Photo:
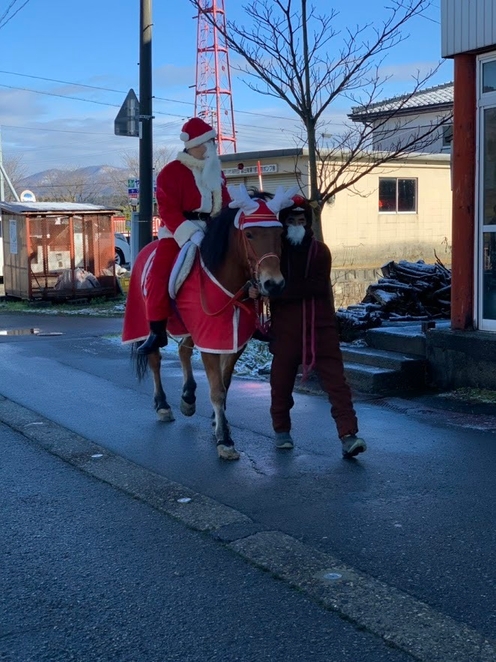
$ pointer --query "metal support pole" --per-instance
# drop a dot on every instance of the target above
(146, 135)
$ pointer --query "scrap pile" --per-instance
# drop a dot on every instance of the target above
(408, 291)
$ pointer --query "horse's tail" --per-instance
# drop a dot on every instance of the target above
(139, 361)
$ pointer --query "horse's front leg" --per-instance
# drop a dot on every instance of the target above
(218, 392)
(188, 396)
(162, 407)
(228, 361)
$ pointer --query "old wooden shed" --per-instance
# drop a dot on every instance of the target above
(58, 250)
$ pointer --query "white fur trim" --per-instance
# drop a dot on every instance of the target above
(164, 233)
(196, 167)
(145, 272)
(190, 161)
(182, 267)
(199, 140)
(186, 230)
(217, 201)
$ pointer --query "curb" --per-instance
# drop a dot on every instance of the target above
(401, 620)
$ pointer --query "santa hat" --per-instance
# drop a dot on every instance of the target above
(254, 212)
(300, 205)
(196, 132)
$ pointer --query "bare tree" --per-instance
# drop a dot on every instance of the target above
(161, 156)
(295, 54)
(72, 185)
(16, 171)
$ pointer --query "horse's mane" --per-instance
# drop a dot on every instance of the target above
(214, 245)
(213, 248)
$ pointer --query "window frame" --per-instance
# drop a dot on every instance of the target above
(447, 131)
(485, 101)
(396, 211)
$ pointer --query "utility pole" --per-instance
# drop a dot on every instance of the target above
(146, 134)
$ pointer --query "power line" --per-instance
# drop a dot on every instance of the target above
(109, 89)
(12, 16)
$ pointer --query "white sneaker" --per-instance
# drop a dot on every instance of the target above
(284, 441)
(352, 445)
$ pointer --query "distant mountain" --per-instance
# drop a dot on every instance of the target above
(96, 184)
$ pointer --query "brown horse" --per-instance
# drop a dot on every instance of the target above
(235, 253)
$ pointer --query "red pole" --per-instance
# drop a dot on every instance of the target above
(464, 192)
(259, 170)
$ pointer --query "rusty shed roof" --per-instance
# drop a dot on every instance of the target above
(48, 207)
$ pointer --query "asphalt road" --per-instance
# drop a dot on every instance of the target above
(415, 513)
(91, 574)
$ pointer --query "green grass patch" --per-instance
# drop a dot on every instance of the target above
(96, 307)
(468, 394)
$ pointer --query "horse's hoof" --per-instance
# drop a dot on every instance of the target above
(187, 409)
(165, 415)
(227, 452)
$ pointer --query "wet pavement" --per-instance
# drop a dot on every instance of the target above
(416, 512)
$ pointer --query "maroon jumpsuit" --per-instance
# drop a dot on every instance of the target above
(304, 331)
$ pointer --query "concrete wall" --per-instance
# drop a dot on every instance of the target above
(362, 239)
(461, 359)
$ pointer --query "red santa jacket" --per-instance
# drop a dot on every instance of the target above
(179, 190)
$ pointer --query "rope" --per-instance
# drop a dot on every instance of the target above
(307, 368)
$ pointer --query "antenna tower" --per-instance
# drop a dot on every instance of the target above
(213, 97)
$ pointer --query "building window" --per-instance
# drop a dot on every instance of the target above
(447, 135)
(489, 77)
(397, 195)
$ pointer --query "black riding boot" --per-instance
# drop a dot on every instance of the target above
(156, 339)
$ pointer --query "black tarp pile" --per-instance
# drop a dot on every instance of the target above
(408, 291)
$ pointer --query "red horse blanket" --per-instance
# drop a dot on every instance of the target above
(205, 310)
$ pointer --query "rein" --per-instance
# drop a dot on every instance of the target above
(261, 321)
(308, 367)
(262, 313)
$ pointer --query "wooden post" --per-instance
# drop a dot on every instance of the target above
(464, 192)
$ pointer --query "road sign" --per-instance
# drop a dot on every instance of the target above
(133, 190)
(127, 121)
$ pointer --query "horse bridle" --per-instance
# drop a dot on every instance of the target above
(254, 273)
(255, 270)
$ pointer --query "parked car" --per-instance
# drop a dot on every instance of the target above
(122, 250)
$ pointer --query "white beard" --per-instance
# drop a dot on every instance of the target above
(211, 174)
(296, 234)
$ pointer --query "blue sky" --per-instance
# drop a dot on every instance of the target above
(51, 124)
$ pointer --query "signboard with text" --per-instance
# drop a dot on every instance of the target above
(269, 169)
(133, 190)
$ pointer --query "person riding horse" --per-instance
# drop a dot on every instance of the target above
(211, 311)
(190, 190)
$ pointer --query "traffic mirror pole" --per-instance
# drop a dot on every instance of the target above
(145, 124)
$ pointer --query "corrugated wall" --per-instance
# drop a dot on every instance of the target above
(467, 25)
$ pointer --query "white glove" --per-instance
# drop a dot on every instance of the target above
(197, 237)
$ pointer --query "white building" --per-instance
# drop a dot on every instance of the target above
(398, 119)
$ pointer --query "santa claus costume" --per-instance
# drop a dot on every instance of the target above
(190, 190)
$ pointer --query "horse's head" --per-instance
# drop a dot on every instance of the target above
(262, 247)
(261, 231)
(244, 241)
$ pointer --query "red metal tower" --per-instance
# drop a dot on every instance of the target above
(213, 98)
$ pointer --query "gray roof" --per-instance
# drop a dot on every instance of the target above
(60, 207)
(435, 98)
